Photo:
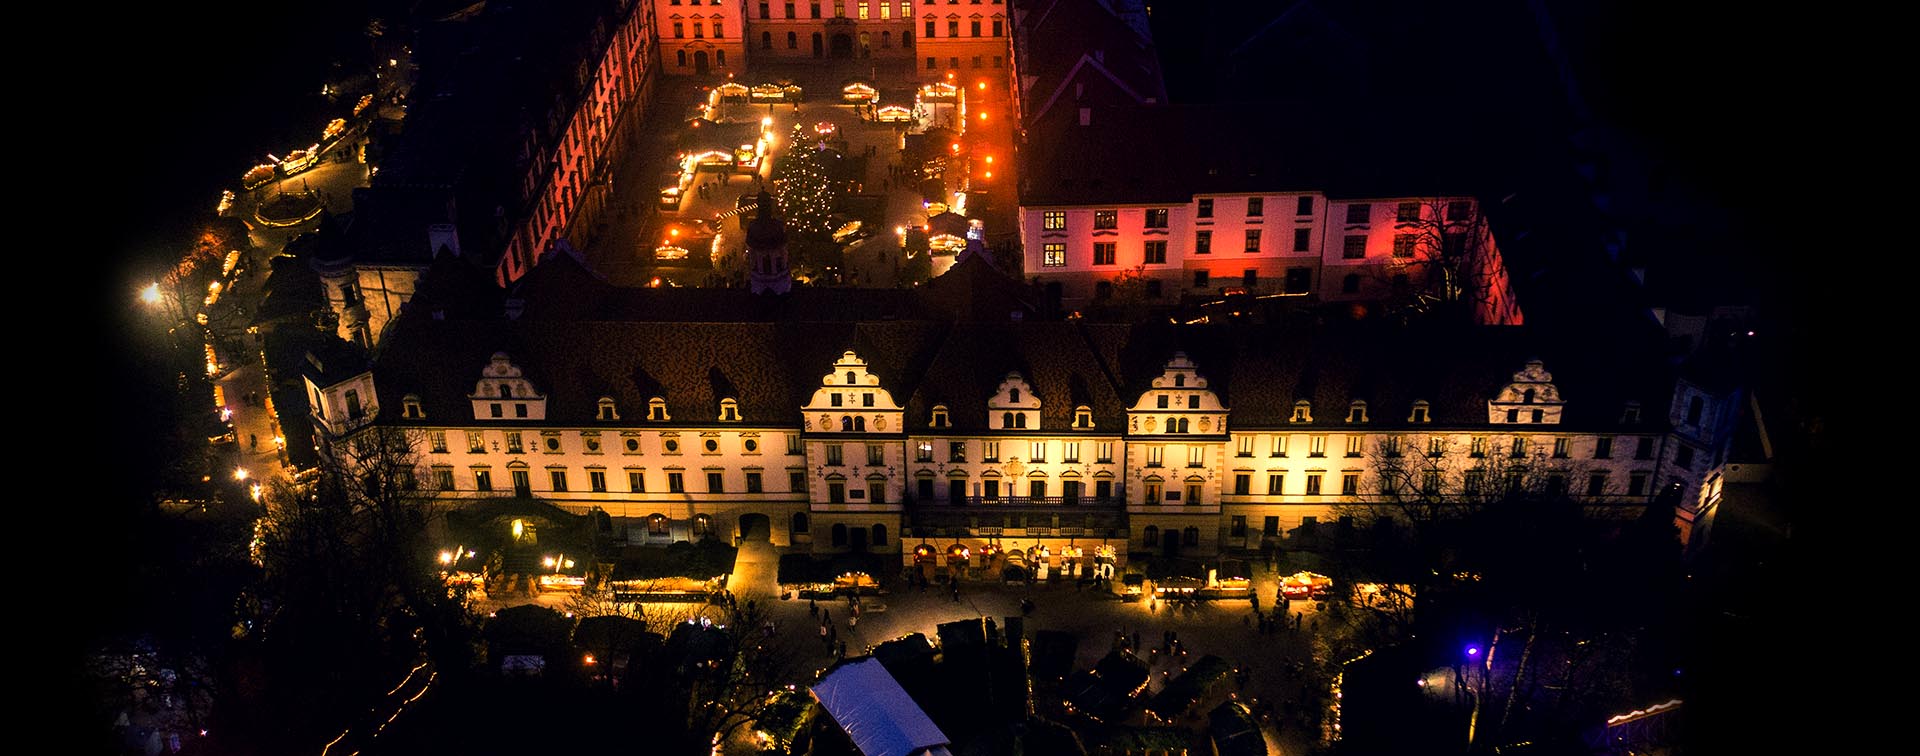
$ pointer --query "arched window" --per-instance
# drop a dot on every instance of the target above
(1191, 536)
(846, 423)
(879, 535)
(656, 524)
(682, 58)
(766, 40)
(886, 39)
(860, 423)
(800, 524)
(1151, 535)
(353, 404)
(1013, 396)
(702, 525)
(850, 379)
(506, 391)
(1006, 420)
(1526, 397)
(1020, 420)
(839, 534)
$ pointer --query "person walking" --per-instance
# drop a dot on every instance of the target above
(813, 609)
(852, 623)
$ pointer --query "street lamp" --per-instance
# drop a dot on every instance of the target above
(150, 294)
(240, 473)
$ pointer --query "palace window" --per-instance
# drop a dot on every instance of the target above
(1302, 412)
(1354, 247)
(1358, 214)
(1056, 254)
(1205, 209)
(1420, 412)
(1103, 252)
(1054, 220)
(1253, 240)
(1203, 242)
(1256, 207)
(1155, 253)
(1106, 219)
(1407, 212)
(1156, 218)
(1301, 237)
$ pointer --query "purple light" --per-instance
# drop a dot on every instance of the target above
(1473, 650)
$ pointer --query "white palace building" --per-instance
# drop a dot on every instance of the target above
(847, 421)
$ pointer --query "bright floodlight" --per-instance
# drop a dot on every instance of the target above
(1473, 650)
(240, 473)
(150, 294)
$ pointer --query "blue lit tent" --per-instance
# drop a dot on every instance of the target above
(877, 714)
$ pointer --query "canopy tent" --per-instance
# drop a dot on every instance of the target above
(876, 713)
(858, 91)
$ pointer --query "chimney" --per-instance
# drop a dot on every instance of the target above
(1086, 116)
(441, 235)
(515, 306)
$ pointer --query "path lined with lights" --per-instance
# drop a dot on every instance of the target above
(402, 696)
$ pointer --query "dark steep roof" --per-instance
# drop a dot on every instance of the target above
(1056, 359)
(773, 368)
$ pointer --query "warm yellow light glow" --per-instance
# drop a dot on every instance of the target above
(446, 557)
(983, 86)
(983, 115)
(766, 122)
(989, 160)
(240, 473)
(519, 528)
(150, 294)
(589, 658)
(989, 174)
(255, 491)
(548, 562)
(901, 230)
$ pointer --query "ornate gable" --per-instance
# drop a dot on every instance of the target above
(1530, 399)
(504, 393)
(1178, 402)
(850, 399)
(1013, 406)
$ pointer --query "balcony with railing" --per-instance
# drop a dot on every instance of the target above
(1018, 516)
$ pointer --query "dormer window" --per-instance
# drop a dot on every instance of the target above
(1420, 413)
(940, 418)
(1179, 380)
(729, 411)
(1526, 397)
(1013, 396)
(1632, 414)
(851, 380)
(1302, 412)
(410, 407)
(1082, 417)
(657, 409)
(604, 409)
(1357, 412)
(506, 391)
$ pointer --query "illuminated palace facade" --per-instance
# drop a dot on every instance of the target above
(881, 436)
(1304, 244)
(699, 37)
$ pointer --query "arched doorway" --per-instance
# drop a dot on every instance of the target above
(857, 540)
(842, 46)
(1170, 542)
(755, 527)
(700, 61)
(816, 44)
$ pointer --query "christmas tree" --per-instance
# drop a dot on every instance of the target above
(804, 186)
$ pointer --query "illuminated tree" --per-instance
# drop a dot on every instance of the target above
(804, 186)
